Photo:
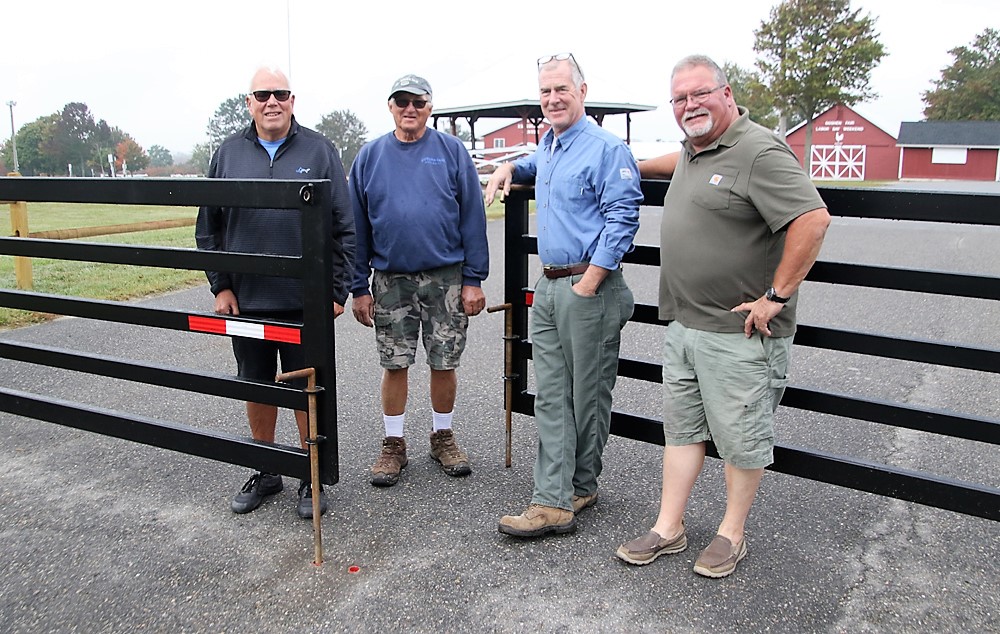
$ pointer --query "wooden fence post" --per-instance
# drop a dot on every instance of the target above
(19, 227)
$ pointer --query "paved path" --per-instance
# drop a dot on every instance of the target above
(100, 535)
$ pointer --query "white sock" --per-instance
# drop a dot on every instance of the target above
(442, 421)
(394, 425)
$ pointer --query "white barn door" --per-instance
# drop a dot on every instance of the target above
(838, 162)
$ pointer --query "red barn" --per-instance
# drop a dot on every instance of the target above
(962, 150)
(517, 133)
(846, 147)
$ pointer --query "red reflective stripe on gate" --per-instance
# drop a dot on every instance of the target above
(207, 324)
(281, 333)
(529, 298)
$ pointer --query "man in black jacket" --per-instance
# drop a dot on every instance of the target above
(274, 146)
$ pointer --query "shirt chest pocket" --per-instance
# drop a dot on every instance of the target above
(716, 191)
(572, 190)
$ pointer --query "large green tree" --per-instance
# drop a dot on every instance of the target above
(160, 156)
(750, 92)
(813, 54)
(74, 140)
(346, 131)
(230, 117)
(31, 137)
(969, 89)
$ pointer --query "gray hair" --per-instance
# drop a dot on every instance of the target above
(705, 61)
(573, 65)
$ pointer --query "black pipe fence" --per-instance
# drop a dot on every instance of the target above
(311, 199)
(846, 471)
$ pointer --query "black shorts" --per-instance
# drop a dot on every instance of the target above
(257, 359)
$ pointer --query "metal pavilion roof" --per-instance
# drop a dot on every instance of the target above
(529, 110)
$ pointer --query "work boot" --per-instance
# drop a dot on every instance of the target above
(453, 460)
(581, 502)
(538, 520)
(385, 471)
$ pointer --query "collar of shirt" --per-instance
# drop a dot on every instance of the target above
(566, 138)
(729, 138)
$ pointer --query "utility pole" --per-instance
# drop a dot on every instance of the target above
(13, 135)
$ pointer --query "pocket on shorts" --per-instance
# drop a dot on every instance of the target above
(758, 425)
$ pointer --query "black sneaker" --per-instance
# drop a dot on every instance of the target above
(305, 508)
(259, 486)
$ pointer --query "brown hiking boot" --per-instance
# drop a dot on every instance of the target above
(385, 471)
(453, 460)
(538, 520)
(581, 502)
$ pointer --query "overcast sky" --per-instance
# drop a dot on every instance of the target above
(159, 72)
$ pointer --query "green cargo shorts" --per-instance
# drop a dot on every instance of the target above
(723, 387)
(427, 302)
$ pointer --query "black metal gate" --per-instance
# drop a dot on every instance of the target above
(315, 333)
(846, 471)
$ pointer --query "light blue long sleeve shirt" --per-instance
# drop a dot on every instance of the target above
(587, 196)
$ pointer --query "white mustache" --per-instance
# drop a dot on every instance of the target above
(695, 113)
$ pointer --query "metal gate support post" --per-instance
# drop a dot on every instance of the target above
(313, 443)
(508, 370)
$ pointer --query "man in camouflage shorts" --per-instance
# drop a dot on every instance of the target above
(421, 227)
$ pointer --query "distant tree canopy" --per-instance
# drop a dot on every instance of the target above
(813, 54)
(969, 89)
(201, 156)
(50, 144)
(160, 156)
(230, 117)
(130, 154)
(346, 131)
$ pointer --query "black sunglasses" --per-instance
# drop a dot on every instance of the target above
(403, 102)
(263, 95)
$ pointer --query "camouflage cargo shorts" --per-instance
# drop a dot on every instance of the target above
(407, 304)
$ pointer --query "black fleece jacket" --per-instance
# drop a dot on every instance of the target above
(305, 154)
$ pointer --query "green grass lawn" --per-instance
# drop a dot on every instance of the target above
(94, 280)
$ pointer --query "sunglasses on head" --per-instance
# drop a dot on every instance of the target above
(403, 102)
(263, 95)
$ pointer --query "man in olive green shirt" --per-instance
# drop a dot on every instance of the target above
(742, 225)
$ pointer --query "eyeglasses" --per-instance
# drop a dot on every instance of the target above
(403, 102)
(559, 57)
(263, 95)
(697, 97)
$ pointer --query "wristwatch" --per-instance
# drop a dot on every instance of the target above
(774, 297)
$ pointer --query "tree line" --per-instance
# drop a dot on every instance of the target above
(812, 54)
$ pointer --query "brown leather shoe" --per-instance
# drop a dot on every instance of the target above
(644, 550)
(581, 502)
(538, 520)
(720, 558)
(385, 471)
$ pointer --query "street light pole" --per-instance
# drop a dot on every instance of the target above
(13, 135)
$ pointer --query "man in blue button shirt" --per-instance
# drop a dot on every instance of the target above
(587, 197)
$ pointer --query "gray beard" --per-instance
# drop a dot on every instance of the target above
(697, 131)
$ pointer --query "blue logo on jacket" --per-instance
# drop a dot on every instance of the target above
(303, 170)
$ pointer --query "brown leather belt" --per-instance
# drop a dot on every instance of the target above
(555, 272)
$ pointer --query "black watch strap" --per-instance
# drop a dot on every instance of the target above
(774, 297)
